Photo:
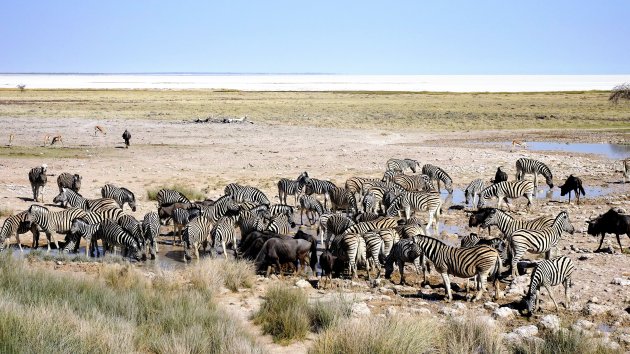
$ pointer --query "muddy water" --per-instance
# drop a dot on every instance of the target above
(613, 151)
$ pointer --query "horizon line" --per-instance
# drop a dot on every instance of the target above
(209, 73)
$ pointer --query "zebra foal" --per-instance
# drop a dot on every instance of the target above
(530, 166)
(438, 174)
(505, 190)
(37, 178)
(16, 225)
(120, 194)
(549, 272)
(291, 187)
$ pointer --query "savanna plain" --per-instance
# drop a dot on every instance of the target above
(53, 302)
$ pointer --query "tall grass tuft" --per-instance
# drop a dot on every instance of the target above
(378, 335)
(190, 193)
(284, 314)
(119, 311)
(564, 341)
(237, 274)
(469, 334)
(324, 315)
(5, 212)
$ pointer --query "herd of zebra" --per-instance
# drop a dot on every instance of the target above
(369, 222)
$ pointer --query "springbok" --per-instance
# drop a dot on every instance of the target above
(99, 129)
(11, 136)
(56, 139)
(518, 143)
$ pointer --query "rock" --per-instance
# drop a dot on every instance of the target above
(584, 257)
(448, 311)
(550, 322)
(620, 281)
(360, 309)
(519, 286)
(593, 309)
(491, 305)
(526, 331)
(582, 325)
(503, 312)
(375, 283)
(423, 311)
(594, 300)
(624, 338)
(459, 306)
(391, 311)
(386, 291)
(302, 284)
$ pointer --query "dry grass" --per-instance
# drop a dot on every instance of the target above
(190, 193)
(469, 334)
(284, 314)
(368, 110)
(564, 342)
(5, 212)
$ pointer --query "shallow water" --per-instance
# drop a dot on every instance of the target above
(613, 151)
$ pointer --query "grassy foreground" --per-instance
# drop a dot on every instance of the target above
(369, 110)
(119, 312)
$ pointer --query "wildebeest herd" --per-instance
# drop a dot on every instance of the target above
(367, 222)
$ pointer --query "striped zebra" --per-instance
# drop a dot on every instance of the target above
(281, 224)
(16, 225)
(341, 199)
(478, 261)
(244, 194)
(52, 222)
(507, 224)
(120, 194)
(507, 189)
(249, 221)
(336, 224)
(83, 228)
(37, 177)
(405, 251)
(70, 181)
(111, 234)
(369, 202)
(400, 165)
(626, 169)
(431, 202)
(350, 247)
(388, 175)
(538, 241)
(414, 183)
(355, 185)
(473, 191)
(322, 229)
(530, 166)
(374, 245)
(134, 228)
(151, 229)
(221, 207)
(223, 233)
(366, 226)
(360, 217)
(310, 206)
(549, 273)
(438, 174)
(181, 217)
(101, 205)
(319, 187)
(469, 241)
(291, 187)
(69, 198)
(277, 209)
(93, 218)
(196, 235)
(169, 196)
(390, 237)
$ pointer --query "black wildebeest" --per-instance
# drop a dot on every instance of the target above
(572, 184)
(327, 264)
(277, 251)
(500, 176)
(611, 222)
(478, 217)
(126, 136)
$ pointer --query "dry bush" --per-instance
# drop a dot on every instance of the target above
(470, 334)
(564, 341)
(5, 212)
(284, 314)
(190, 193)
(620, 92)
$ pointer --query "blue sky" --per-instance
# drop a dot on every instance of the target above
(345, 37)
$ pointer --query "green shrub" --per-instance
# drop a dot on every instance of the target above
(284, 314)
(564, 341)
(324, 315)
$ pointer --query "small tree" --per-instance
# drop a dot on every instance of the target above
(21, 87)
(620, 92)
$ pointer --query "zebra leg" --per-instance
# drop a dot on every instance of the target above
(548, 254)
(535, 180)
(17, 238)
(401, 270)
(224, 249)
(481, 281)
(566, 283)
(447, 285)
(551, 296)
(48, 237)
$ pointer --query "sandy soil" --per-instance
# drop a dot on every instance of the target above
(208, 156)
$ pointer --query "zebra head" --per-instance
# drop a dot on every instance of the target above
(413, 164)
(467, 195)
(76, 182)
(529, 302)
(549, 179)
(489, 217)
(563, 221)
(62, 197)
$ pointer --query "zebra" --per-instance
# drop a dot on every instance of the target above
(134, 228)
(389, 175)
(291, 187)
(507, 224)
(335, 224)
(549, 273)
(101, 204)
(626, 169)
(249, 221)
(92, 218)
(221, 207)
(352, 248)
(37, 177)
(242, 194)
(196, 235)
(369, 202)
(281, 224)
(120, 194)
(322, 226)
(223, 232)
(438, 174)
(413, 201)
(111, 234)
(340, 198)
(355, 185)
(68, 197)
(374, 245)
(400, 165)
(368, 216)
(151, 230)
(169, 196)
(390, 237)
(528, 166)
(478, 261)
(538, 241)
(15, 225)
(181, 217)
(318, 186)
(507, 189)
(83, 227)
(383, 223)
(473, 191)
(53, 221)
(277, 209)
(405, 251)
(70, 181)
(419, 183)
(309, 204)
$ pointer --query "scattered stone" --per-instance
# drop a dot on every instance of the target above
(491, 306)
(519, 286)
(594, 309)
(423, 311)
(59, 263)
(503, 312)
(584, 257)
(459, 306)
(391, 311)
(386, 291)
(594, 300)
(448, 311)
(621, 281)
(360, 309)
(302, 284)
(625, 338)
(550, 322)
(526, 331)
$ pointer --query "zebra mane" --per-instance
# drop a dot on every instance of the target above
(129, 192)
(36, 206)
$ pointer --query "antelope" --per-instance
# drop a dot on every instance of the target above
(57, 139)
(99, 129)
(11, 136)
(46, 139)
(518, 143)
